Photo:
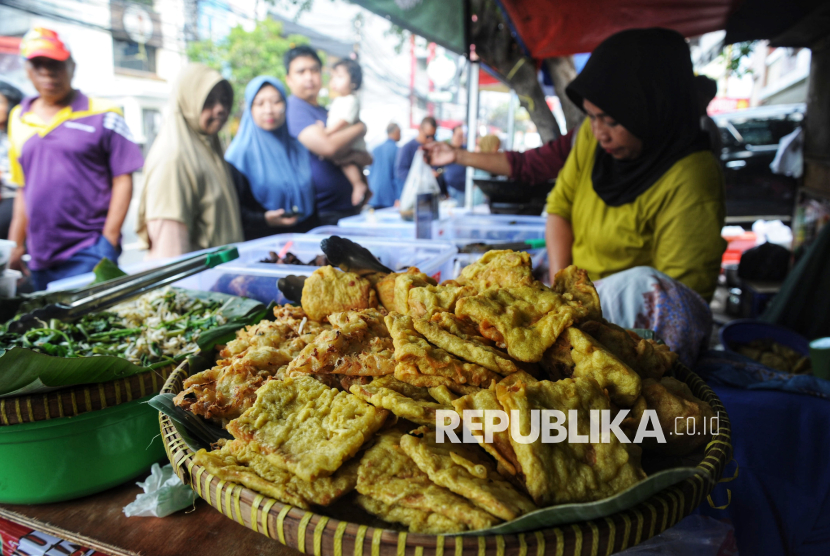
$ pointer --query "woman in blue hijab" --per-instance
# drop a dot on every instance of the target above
(273, 171)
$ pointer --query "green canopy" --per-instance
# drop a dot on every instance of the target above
(438, 21)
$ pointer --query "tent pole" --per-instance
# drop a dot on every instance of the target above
(511, 120)
(472, 126)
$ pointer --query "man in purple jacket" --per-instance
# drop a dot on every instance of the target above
(73, 157)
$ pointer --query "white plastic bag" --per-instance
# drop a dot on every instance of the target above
(164, 494)
(419, 180)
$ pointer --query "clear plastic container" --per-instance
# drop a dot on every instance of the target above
(248, 277)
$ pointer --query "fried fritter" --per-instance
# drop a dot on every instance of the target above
(527, 319)
(389, 476)
(647, 357)
(225, 391)
(402, 399)
(499, 269)
(500, 448)
(418, 521)
(573, 284)
(303, 426)
(290, 331)
(241, 463)
(568, 472)
(359, 344)
(577, 354)
(404, 283)
(329, 291)
(386, 287)
(467, 349)
(466, 471)
(426, 301)
(674, 402)
(442, 395)
(422, 364)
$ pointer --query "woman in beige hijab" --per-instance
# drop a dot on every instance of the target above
(189, 201)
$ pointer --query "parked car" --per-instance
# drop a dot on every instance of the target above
(750, 141)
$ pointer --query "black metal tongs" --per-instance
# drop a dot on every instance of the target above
(68, 306)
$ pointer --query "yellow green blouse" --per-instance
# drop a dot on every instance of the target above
(674, 226)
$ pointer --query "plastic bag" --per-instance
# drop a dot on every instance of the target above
(419, 180)
(164, 494)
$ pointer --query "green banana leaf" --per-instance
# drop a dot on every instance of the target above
(196, 432)
(572, 513)
(23, 371)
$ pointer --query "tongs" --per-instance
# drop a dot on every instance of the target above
(512, 246)
(106, 294)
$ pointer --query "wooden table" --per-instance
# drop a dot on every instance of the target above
(97, 522)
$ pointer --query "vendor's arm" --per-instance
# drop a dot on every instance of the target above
(442, 154)
(543, 163)
(687, 232)
(559, 238)
(315, 139)
(122, 193)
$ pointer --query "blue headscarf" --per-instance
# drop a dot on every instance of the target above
(277, 166)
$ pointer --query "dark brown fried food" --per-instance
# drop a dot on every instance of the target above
(681, 416)
(329, 291)
(499, 269)
(568, 472)
(422, 364)
(467, 348)
(647, 357)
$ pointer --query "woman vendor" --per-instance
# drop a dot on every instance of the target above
(640, 200)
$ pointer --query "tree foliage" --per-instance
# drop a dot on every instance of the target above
(243, 55)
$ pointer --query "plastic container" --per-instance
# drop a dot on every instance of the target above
(746, 330)
(248, 277)
(8, 282)
(6, 247)
(69, 457)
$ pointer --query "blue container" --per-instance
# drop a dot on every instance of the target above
(746, 330)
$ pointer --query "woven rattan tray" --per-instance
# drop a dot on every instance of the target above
(69, 402)
(322, 535)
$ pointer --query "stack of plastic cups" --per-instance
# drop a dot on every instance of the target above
(8, 278)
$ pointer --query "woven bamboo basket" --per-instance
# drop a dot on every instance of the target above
(75, 400)
(322, 535)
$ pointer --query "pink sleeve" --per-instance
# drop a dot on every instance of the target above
(541, 164)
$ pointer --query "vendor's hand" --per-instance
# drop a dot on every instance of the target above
(275, 218)
(439, 154)
(16, 260)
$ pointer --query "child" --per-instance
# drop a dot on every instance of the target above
(346, 78)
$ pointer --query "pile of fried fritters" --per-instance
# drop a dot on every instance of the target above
(342, 395)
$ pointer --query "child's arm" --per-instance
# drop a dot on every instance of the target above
(336, 126)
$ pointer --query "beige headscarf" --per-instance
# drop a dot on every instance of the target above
(186, 176)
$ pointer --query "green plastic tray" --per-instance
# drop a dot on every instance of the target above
(70, 457)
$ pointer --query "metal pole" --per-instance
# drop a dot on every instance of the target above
(472, 127)
(511, 120)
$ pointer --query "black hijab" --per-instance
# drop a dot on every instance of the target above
(642, 78)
